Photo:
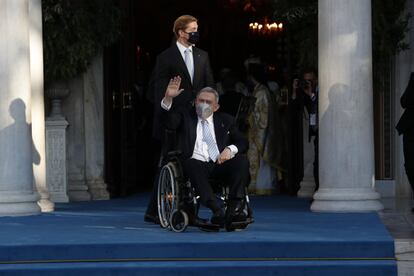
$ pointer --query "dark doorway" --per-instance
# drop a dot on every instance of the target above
(224, 28)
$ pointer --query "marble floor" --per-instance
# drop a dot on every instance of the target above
(399, 220)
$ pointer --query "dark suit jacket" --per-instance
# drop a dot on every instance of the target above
(304, 101)
(406, 121)
(169, 64)
(184, 121)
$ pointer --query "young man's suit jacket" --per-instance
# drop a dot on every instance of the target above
(169, 64)
(406, 122)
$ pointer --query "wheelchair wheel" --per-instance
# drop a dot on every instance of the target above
(179, 221)
(167, 193)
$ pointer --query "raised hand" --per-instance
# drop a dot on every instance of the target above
(173, 88)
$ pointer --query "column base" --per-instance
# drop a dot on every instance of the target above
(307, 188)
(346, 200)
(79, 196)
(78, 192)
(15, 204)
(97, 189)
(46, 205)
(77, 188)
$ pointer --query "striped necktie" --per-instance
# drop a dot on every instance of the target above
(213, 151)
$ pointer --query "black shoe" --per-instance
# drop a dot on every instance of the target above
(218, 218)
(152, 219)
(197, 221)
(412, 210)
(235, 214)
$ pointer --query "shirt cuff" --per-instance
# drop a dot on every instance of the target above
(164, 106)
(234, 150)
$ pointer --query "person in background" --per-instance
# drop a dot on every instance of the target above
(262, 152)
(405, 127)
(230, 81)
(305, 95)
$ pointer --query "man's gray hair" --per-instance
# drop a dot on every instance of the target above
(209, 90)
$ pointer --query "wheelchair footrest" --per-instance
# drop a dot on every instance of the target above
(209, 227)
(238, 225)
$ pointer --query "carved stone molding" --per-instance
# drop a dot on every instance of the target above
(56, 177)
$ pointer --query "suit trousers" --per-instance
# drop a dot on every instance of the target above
(234, 173)
(408, 147)
(316, 161)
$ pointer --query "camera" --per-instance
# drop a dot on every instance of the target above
(304, 84)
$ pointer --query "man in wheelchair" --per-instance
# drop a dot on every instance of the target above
(211, 146)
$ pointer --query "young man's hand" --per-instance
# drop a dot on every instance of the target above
(173, 90)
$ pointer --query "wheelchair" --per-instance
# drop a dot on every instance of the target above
(178, 203)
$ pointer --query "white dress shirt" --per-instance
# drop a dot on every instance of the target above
(182, 49)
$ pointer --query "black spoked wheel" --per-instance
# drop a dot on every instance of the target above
(167, 194)
(179, 221)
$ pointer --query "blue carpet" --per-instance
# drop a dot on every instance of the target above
(111, 235)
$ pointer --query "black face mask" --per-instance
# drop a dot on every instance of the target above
(193, 37)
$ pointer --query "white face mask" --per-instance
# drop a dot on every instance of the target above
(204, 110)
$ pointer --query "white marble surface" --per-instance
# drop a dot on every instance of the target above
(94, 129)
(399, 220)
(405, 268)
(73, 109)
(56, 160)
(17, 152)
(84, 109)
(38, 106)
(404, 249)
(345, 108)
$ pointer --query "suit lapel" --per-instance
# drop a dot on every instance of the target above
(193, 129)
(220, 131)
(181, 63)
(197, 64)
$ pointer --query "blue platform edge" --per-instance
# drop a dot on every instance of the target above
(284, 230)
(285, 268)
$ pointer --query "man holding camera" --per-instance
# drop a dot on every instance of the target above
(305, 93)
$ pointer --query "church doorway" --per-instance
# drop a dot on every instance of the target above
(130, 152)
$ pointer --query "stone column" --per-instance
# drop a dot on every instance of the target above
(346, 136)
(17, 194)
(307, 186)
(73, 108)
(94, 129)
(38, 107)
